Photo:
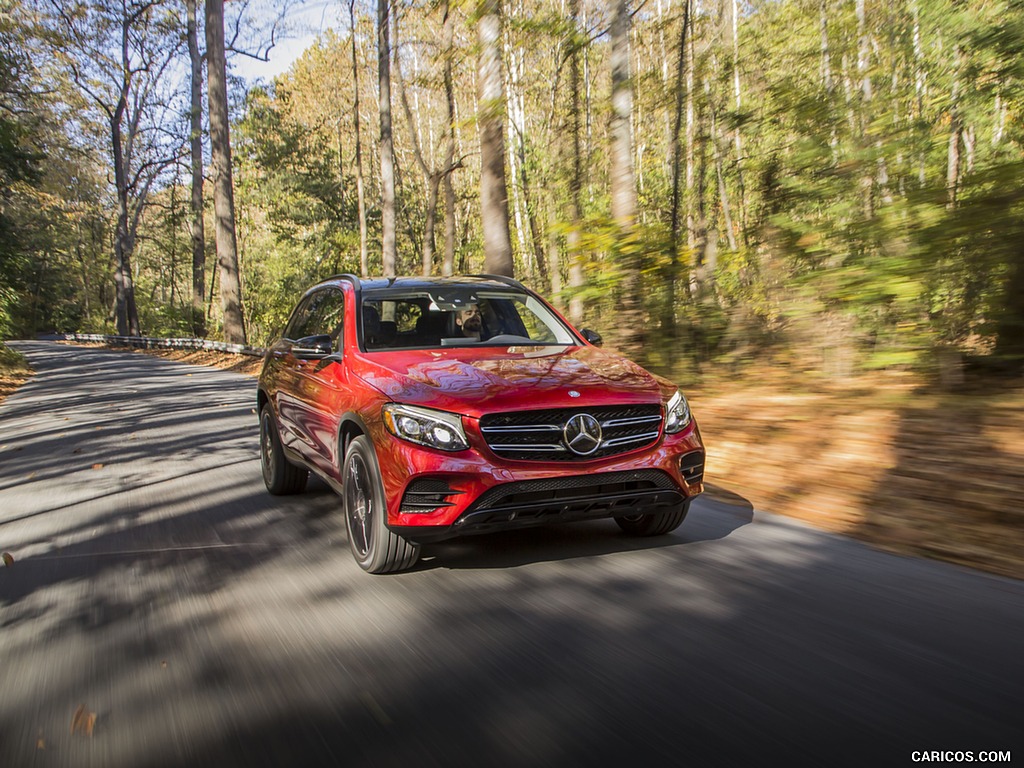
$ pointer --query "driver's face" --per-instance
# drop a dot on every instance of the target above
(470, 320)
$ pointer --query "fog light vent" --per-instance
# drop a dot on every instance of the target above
(691, 467)
(428, 495)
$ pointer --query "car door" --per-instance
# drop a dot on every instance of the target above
(320, 381)
(317, 319)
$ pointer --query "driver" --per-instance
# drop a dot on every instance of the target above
(469, 321)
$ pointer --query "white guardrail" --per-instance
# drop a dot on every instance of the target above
(150, 342)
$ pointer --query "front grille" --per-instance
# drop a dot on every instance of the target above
(532, 502)
(540, 435)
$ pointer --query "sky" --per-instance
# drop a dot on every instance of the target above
(304, 23)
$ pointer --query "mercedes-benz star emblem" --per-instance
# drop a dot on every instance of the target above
(582, 434)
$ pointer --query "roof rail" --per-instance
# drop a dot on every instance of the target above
(502, 279)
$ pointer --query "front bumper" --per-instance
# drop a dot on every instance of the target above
(526, 503)
(432, 495)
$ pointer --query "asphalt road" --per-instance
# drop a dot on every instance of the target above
(157, 585)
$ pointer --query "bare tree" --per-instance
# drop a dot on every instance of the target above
(223, 189)
(431, 174)
(195, 56)
(119, 56)
(493, 187)
(389, 245)
(364, 260)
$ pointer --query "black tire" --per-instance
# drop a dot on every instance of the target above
(656, 524)
(281, 477)
(374, 546)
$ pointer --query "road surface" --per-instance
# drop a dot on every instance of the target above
(156, 585)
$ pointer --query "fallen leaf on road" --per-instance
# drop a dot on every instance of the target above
(8, 560)
(83, 721)
(97, 466)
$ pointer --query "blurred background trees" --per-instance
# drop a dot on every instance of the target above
(833, 185)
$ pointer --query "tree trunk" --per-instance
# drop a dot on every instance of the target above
(124, 244)
(741, 189)
(576, 277)
(705, 236)
(675, 156)
(389, 243)
(448, 34)
(125, 291)
(622, 181)
(691, 131)
(955, 133)
(364, 259)
(919, 92)
(433, 182)
(623, 184)
(223, 191)
(493, 186)
(723, 193)
(516, 122)
(826, 58)
(196, 150)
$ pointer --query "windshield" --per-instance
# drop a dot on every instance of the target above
(423, 321)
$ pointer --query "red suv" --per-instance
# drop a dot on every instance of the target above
(441, 407)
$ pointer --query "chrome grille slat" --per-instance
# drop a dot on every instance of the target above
(526, 447)
(531, 428)
(628, 439)
(627, 422)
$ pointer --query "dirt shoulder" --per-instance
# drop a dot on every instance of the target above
(10, 381)
(881, 459)
(14, 371)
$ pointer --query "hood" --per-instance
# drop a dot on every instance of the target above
(474, 381)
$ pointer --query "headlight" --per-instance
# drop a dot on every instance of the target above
(677, 414)
(434, 429)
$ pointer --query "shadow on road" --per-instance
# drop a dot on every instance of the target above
(709, 519)
(209, 624)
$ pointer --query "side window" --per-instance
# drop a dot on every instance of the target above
(300, 318)
(321, 314)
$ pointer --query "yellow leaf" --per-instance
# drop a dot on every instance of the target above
(83, 721)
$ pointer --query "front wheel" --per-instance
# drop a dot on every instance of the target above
(654, 524)
(374, 546)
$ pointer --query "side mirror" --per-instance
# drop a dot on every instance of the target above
(592, 336)
(313, 347)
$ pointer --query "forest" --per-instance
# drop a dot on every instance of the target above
(826, 185)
